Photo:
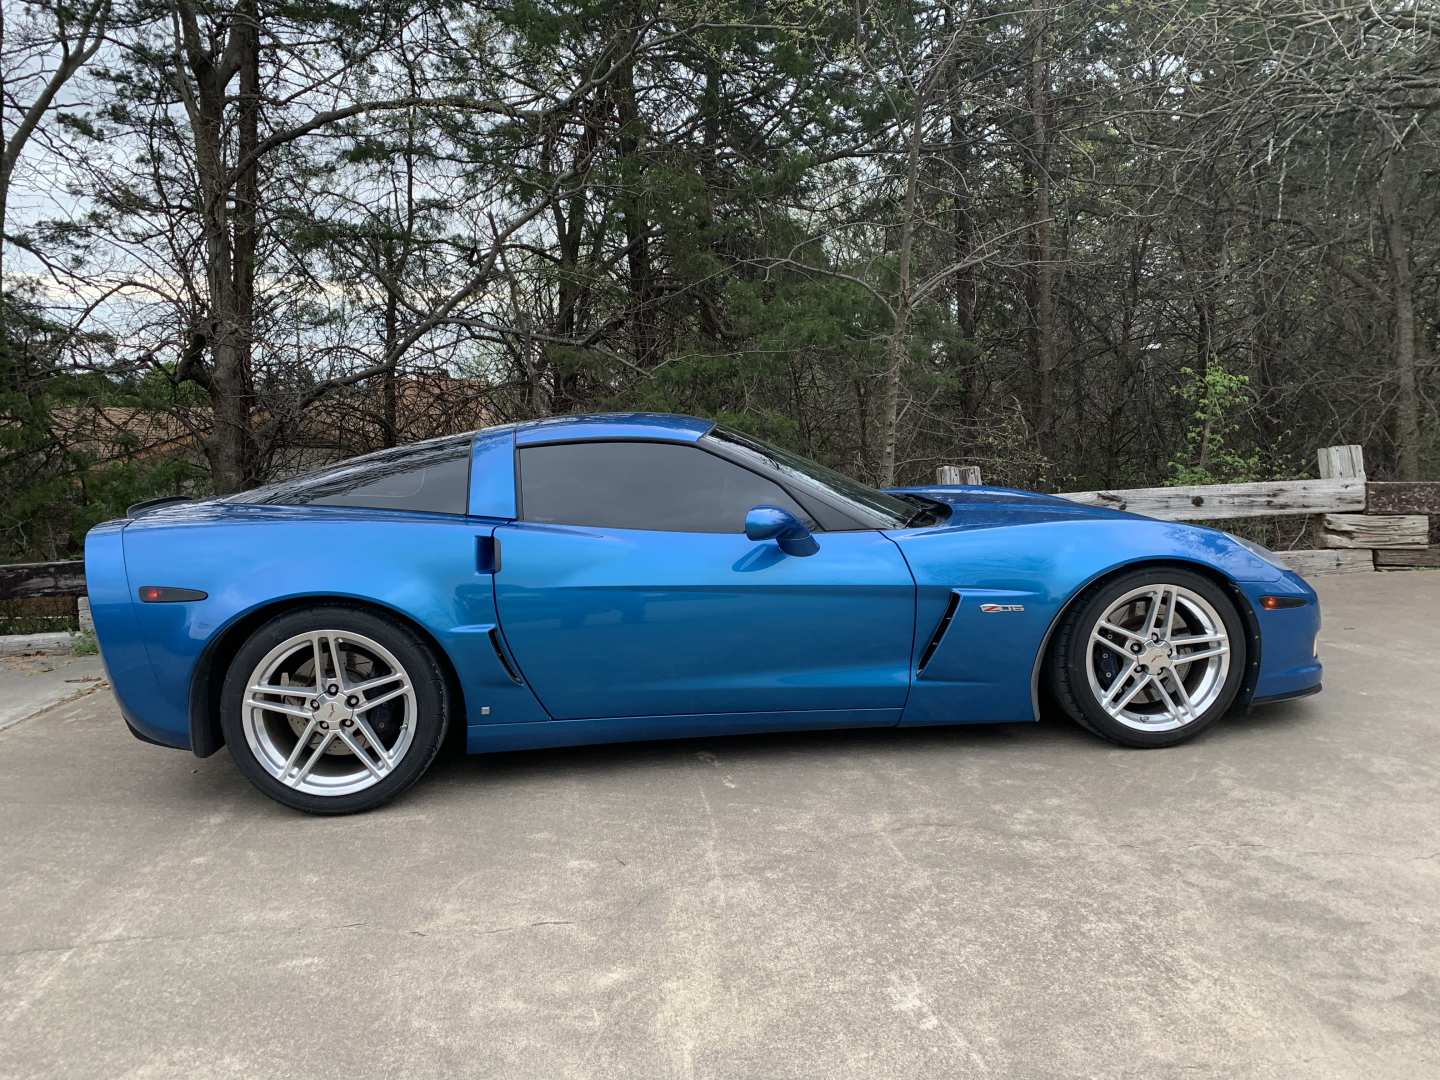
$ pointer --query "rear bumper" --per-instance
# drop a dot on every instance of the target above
(122, 647)
(135, 730)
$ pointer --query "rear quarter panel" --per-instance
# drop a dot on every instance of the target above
(425, 567)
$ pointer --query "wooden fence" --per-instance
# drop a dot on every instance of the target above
(24, 581)
(1360, 524)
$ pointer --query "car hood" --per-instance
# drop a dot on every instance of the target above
(978, 507)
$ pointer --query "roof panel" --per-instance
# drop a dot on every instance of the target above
(662, 427)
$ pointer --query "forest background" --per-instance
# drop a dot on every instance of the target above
(1080, 245)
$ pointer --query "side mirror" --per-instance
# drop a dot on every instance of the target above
(773, 523)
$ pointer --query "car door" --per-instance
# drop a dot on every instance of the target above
(628, 588)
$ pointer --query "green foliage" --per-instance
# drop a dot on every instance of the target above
(55, 487)
(83, 643)
(699, 207)
(47, 515)
(1213, 398)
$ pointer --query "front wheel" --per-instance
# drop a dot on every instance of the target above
(1152, 658)
(334, 709)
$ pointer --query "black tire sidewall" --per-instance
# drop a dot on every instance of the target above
(1095, 607)
(415, 656)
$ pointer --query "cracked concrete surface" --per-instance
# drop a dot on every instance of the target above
(31, 684)
(1018, 901)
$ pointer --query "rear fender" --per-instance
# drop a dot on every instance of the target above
(431, 571)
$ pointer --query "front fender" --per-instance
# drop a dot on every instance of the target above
(1005, 586)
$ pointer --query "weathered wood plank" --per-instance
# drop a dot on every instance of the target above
(1341, 462)
(1407, 558)
(31, 644)
(1219, 501)
(22, 580)
(1326, 561)
(957, 474)
(1420, 497)
(1374, 531)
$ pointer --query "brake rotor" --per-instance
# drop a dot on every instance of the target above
(382, 719)
(298, 725)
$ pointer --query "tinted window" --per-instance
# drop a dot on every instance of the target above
(864, 504)
(433, 476)
(640, 485)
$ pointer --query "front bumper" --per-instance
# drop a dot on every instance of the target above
(1288, 697)
(1289, 640)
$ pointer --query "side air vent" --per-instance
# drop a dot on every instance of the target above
(503, 656)
(939, 633)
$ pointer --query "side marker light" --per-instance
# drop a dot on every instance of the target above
(1275, 603)
(168, 594)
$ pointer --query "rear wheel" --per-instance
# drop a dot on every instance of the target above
(1152, 658)
(334, 709)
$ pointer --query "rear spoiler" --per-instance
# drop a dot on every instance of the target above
(146, 505)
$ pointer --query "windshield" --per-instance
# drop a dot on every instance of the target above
(868, 506)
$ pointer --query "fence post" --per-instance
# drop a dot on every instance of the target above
(1337, 463)
(1340, 530)
(957, 474)
(1341, 462)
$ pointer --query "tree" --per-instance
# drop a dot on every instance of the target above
(39, 56)
(1073, 244)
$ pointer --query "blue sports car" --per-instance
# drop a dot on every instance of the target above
(591, 579)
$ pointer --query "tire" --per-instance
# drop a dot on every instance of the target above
(387, 689)
(1174, 679)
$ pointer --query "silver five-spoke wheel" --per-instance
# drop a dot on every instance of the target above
(329, 712)
(1150, 657)
(1158, 657)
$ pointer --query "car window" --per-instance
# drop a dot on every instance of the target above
(432, 476)
(857, 503)
(643, 485)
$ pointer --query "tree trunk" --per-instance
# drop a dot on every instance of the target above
(964, 233)
(247, 194)
(223, 445)
(897, 349)
(1041, 279)
(229, 245)
(390, 405)
(569, 215)
(644, 322)
(1402, 285)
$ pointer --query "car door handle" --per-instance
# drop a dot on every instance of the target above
(487, 554)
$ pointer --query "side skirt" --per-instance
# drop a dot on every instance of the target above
(489, 738)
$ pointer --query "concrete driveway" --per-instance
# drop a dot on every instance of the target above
(1015, 902)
